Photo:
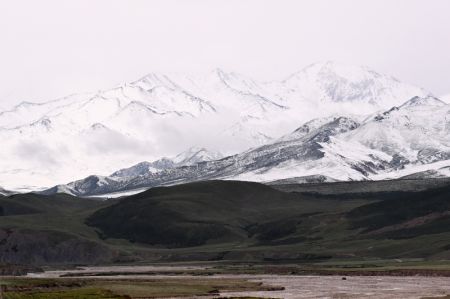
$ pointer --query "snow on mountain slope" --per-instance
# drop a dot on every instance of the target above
(195, 155)
(417, 131)
(313, 125)
(144, 168)
(162, 114)
(260, 164)
(411, 139)
(331, 157)
(189, 157)
(27, 112)
(337, 83)
(430, 170)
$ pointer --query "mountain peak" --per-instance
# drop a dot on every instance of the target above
(196, 155)
(45, 123)
(98, 126)
(219, 71)
(429, 101)
(336, 69)
(144, 168)
(333, 82)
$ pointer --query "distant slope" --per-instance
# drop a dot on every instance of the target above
(351, 188)
(5, 192)
(408, 215)
(309, 179)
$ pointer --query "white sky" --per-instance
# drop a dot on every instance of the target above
(50, 49)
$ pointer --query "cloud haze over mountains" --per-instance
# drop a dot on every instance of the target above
(161, 115)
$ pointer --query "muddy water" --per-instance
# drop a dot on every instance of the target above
(384, 287)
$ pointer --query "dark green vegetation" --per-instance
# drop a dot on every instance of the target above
(229, 221)
(17, 288)
(365, 187)
(36, 229)
(206, 212)
(406, 215)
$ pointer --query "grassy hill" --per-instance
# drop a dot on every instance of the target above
(407, 215)
(207, 212)
(36, 229)
(231, 220)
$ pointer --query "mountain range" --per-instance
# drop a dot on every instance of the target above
(411, 139)
(162, 115)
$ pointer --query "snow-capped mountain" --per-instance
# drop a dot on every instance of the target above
(337, 83)
(412, 138)
(195, 155)
(189, 157)
(161, 114)
(143, 168)
(417, 131)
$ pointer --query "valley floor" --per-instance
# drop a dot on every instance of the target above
(218, 281)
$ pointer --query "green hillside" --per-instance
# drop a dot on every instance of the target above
(229, 221)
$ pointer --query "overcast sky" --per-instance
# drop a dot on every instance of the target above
(50, 49)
